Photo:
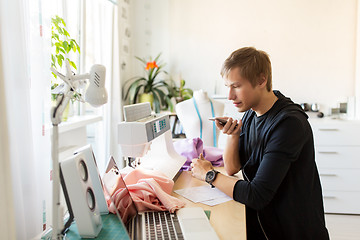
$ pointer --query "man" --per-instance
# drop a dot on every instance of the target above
(273, 146)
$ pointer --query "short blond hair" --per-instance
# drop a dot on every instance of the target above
(251, 63)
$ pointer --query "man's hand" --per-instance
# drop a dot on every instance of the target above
(200, 166)
(232, 127)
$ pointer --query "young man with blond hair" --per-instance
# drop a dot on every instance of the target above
(273, 147)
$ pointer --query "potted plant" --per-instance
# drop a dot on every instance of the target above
(149, 88)
(180, 93)
(61, 45)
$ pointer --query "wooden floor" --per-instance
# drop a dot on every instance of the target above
(343, 227)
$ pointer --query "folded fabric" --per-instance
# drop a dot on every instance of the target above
(191, 148)
(149, 189)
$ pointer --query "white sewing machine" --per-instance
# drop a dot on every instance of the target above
(149, 137)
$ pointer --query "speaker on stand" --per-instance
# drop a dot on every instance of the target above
(95, 177)
(80, 196)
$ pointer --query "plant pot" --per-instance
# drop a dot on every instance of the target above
(146, 97)
(179, 99)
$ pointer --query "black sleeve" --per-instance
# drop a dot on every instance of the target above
(282, 148)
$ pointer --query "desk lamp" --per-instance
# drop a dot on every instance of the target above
(96, 96)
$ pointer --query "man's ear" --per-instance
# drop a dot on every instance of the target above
(262, 80)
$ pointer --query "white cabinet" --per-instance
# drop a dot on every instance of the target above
(337, 155)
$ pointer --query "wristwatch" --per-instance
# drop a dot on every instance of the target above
(210, 177)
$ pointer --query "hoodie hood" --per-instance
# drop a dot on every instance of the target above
(287, 105)
(284, 107)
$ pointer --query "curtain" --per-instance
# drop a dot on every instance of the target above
(24, 83)
(101, 45)
(7, 226)
(25, 143)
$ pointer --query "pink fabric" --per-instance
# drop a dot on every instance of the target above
(149, 189)
(191, 148)
(122, 203)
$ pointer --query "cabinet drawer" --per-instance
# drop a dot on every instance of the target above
(341, 134)
(337, 157)
(341, 202)
(340, 179)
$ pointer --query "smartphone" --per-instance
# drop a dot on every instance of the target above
(221, 121)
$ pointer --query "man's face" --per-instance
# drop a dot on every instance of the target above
(240, 91)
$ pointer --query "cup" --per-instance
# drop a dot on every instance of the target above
(315, 107)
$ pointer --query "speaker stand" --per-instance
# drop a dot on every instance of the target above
(68, 204)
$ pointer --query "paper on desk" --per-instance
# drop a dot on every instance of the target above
(204, 194)
(217, 201)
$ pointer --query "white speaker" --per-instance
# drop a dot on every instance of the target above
(81, 194)
(95, 177)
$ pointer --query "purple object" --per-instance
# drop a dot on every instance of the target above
(191, 148)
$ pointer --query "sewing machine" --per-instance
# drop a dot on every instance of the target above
(148, 136)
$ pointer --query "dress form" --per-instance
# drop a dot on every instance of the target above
(189, 118)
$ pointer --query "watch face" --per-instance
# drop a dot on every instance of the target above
(210, 176)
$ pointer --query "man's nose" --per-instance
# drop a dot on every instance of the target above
(230, 94)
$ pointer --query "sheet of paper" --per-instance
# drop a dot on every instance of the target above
(217, 201)
(204, 194)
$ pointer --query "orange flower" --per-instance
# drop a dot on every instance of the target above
(151, 65)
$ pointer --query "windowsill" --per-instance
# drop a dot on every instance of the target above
(73, 133)
(78, 122)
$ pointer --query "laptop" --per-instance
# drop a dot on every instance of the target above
(185, 223)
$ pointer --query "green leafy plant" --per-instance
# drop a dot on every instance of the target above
(150, 84)
(180, 93)
(61, 45)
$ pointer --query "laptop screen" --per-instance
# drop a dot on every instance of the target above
(118, 192)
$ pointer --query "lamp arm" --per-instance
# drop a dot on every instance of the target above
(57, 222)
(81, 76)
(79, 80)
(66, 79)
(62, 76)
(56, 114)
(61, 102)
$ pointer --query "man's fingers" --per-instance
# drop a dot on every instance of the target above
(219, 126)
(233, 126)
(227, 125)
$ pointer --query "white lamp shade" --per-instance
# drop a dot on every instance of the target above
(96, 94)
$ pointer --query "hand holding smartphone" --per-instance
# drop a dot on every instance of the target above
(221, 121)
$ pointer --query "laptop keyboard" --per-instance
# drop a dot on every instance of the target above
(162, 225)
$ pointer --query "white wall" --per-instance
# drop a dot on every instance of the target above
(150, 32)
(311, 43)
(357, 68)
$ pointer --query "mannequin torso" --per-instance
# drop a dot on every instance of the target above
(190, 120)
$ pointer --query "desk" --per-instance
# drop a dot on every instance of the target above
(228, 219)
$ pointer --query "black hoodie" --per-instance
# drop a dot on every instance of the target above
(281, 190)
